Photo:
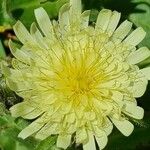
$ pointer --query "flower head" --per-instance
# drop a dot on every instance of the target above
(77, 79)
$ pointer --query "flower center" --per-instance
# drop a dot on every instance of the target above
(78, 77)
(81, 84)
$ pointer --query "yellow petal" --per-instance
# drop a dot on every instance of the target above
(32, 128)
(33, 114)
(81, 135)
(44, 22)
(146, 72)
(138, 55)
(114, 20)
(19, 54)
(109, 126)
(21, 109)
(90, 115)
(11, 84)
(139, 88)
(16, 64)
(35, 31)
(117, 96)
(36, 34)
(134, 111)
(90, 145)
(130, 101)
(103, 20)
(22, 33)
(102, 140)
(135, 37)
(15, 81)
(75, 9)
(49, 129)
(85, 19)
(64, 18)
(5, 70)
(122, 31)
(70, 118)
(63, 141)
(65, 108)
(124, 126)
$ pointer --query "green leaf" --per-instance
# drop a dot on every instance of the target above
(47, 144)
(9, 129)
(5, 19)
(24, 10)
(142, 18)
(2, 109)
(3, 121)
(7, 144)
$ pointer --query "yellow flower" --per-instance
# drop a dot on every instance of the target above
(77, 79)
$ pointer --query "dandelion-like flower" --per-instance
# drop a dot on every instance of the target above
(77, 80)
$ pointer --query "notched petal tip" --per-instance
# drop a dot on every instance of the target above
(63, 16)
(122, 31)
(63, 141)
(102, 141)
(25, 110)
(19, 53)
(75, 6)
(18, 23)
(103, 20)
(124, 126)
(31, 129)
(114, 20)
(44, 22)
(90, 145)
(81, 135)
(146, 72)
(138, 55)
(139, 88)
(64, 9)
(21, 32)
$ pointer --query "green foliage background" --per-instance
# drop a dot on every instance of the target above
(137, 11)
